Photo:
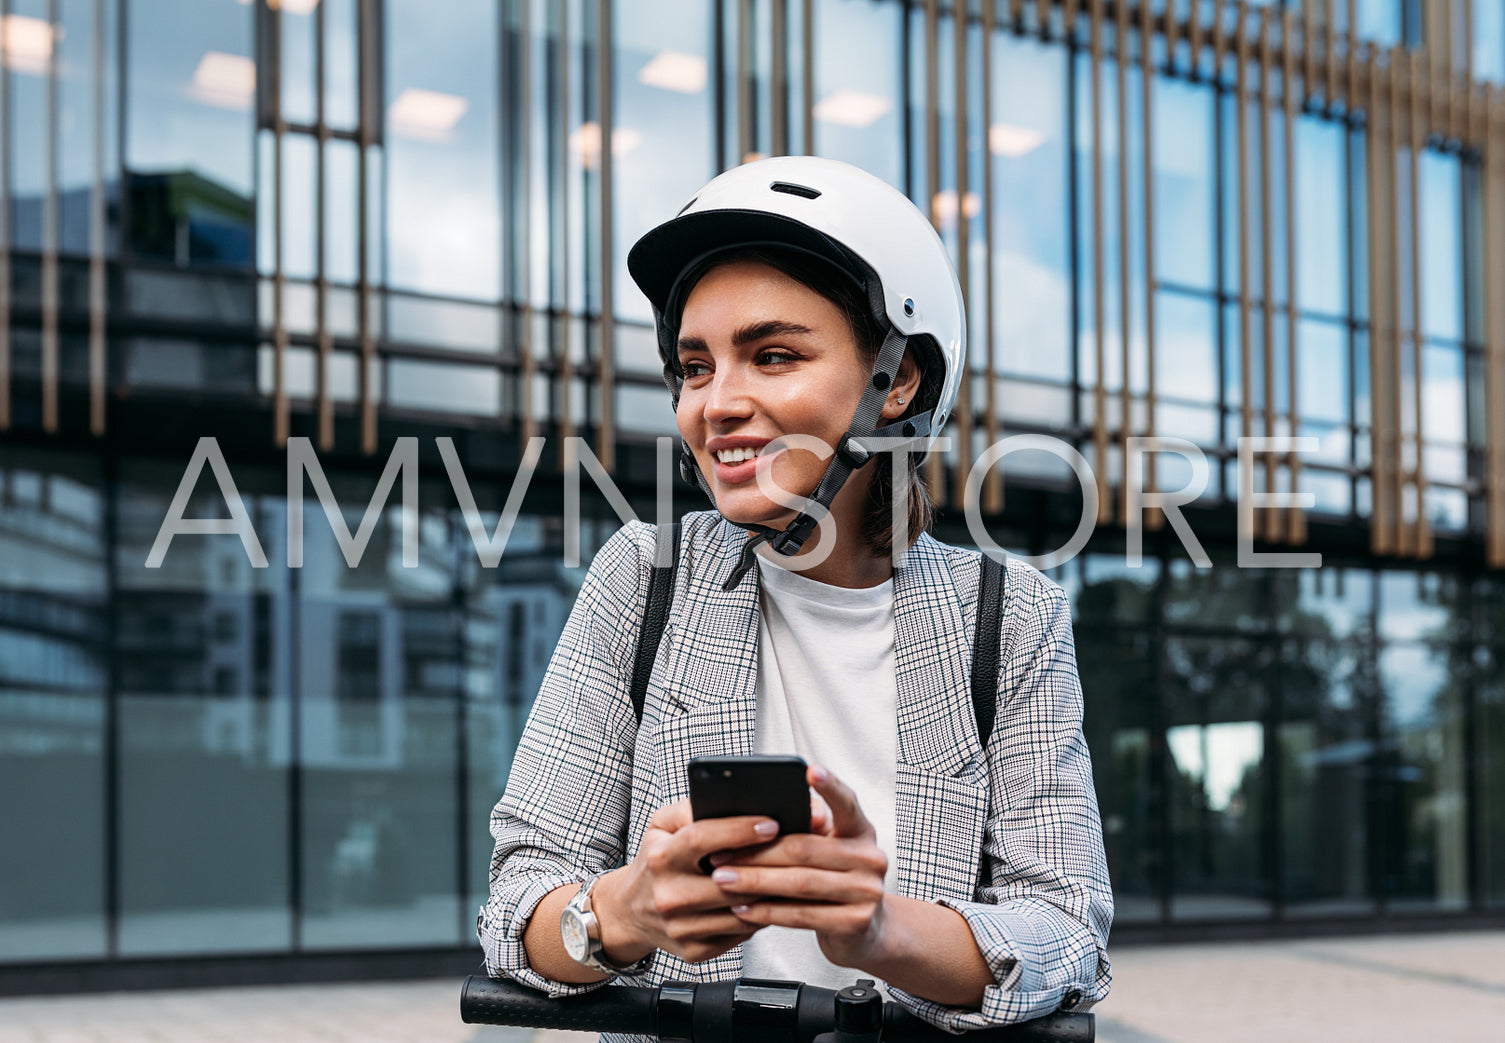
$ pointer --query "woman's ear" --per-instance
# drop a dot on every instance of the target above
(901, 397)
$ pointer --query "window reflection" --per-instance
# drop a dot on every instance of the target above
(663, 95)
(1328, 757)
(1321, 229)
(202, 646)
(1217, 778)
(53, 670)
(443, 221)
(857, 89)
(189, 130)
(1031, 214)
(379, 668)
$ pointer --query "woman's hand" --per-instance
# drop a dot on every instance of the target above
(661, 900)
(829, 880)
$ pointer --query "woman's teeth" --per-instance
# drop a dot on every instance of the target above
(736, 456)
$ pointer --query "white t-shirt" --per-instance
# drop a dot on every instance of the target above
(828, 693)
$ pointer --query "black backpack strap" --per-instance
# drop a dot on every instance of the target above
(985, 646)
(655, 614)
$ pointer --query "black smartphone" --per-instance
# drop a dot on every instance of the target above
(753, 785)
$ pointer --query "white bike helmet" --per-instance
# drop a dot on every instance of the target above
(866, 229)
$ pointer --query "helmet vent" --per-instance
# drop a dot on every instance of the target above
(795, 190)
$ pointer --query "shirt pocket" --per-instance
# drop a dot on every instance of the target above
(704, 732)
(938, 833)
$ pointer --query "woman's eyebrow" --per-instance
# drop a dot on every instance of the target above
(688, 344)
(768, 328)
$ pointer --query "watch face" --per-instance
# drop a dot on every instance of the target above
(572, 929)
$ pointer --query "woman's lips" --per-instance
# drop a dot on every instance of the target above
(745, 470)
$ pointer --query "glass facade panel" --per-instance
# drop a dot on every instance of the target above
(443, 212)
(1031, 211)
(188, 131)
(54, 667)
(1217, 777)
(664, 107)
(858, 93)
(303, 760)
(1328, 757)
(1321, 226)
(379, 668)
(202, 660)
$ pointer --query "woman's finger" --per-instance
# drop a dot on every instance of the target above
(841, 854)
(801, 883)
(846, 814)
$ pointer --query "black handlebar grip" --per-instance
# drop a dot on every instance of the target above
(900, 1026)
(487, 1001)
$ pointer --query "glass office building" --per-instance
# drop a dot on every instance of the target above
(358, 221)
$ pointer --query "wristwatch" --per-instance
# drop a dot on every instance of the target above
(581, 932)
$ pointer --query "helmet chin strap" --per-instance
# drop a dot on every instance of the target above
(852, 453)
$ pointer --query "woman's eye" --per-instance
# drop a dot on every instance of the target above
(694, 369)
(775, 356)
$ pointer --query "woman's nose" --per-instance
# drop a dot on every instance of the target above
(728, 397)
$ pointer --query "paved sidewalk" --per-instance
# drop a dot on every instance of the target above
(1396, 988)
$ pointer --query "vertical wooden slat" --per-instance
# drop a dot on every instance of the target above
(1274, 520)
(1492, 143)
(321, 275)
(1296, 519)
(964, 409)
(1146, 70)
(1422, 543)
(527, 359)
(370, 110)
(564, 418)
(992, 487)
(1352, 96)
(1219, 38)
(1069, 20)
(934, 474)
(50, 231)
(1100, 393)
(1194, 36)
(97, 216)
(1246, 369)
(1330, 53)
(1400, 127)
(779, 88)
(5, 203)
(1042, 17)
(272, 77)
(1309, 48)
(807, 55)
(1171, 29)
(1121, 169)
(606, 369)
(1381, 427)
(746, 132)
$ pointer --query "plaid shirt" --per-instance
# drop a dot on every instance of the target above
(587, 778)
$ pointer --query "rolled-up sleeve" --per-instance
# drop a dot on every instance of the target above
(1042, 914)
(565, 810)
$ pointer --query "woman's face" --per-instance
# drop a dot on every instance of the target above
(763, 356)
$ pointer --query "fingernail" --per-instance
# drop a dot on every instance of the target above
(741, 910)
(724, 876)
(821, 774)
(766, 828)
(720, 858)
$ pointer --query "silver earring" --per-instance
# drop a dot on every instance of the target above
(901, 400)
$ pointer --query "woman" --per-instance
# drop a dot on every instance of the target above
(802, 304)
